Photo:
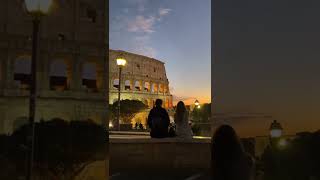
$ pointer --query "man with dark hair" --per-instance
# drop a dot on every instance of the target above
(158, 121)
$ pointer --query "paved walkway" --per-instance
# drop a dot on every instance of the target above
(160, 176)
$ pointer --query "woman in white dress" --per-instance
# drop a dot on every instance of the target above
(181, 119)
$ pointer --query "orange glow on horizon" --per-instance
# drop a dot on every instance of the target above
(192, 100)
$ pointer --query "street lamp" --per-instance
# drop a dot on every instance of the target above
(121, 62)
(275, 129)
(197, 104)
(37, 9)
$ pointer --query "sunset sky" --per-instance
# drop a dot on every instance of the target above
(174, 31)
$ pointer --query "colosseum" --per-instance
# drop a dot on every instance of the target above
(143, 78)
(71, 66)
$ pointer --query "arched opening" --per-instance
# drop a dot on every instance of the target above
(145, 101)
(161, 88)
(22, 72)
(127, 85)
(147, 86)
(154, 88)
(165, 89)
(167, 105)
(89, 76)
(59, 75)
(137, 86)
(19, 122)
(116, 83)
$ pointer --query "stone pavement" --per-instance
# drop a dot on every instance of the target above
(166, 175)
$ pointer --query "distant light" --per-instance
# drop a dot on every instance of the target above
(283, 143)
(196, 103)
(110, 125)
(201, 137)
(198, 106)
(275, 133)
(275, 129)
(121, 61)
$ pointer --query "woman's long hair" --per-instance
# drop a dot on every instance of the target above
(226, 150)
(180, 112)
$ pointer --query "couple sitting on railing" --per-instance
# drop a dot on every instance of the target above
(158, 121)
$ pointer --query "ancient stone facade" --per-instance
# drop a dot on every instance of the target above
(143, 79)
(72, 36)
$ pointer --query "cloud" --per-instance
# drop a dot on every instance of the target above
(142, 24)
(164, 11)
(141, 46)
(145, 24)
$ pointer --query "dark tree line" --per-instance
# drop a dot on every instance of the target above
(129, 108)
(62, 149)
(299, 160)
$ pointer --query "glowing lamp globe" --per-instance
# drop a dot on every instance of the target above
(110, 125)
(196, 103)
(38, 7)
(121, 62)
(275, 129)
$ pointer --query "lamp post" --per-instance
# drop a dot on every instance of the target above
(37, 9)
(275, 133)
(197, 104)
(121, 62)
(275, 129)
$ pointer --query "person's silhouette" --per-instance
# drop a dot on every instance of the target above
(158, 121)
(229, 160)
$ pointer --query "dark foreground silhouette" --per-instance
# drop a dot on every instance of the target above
(229, 159)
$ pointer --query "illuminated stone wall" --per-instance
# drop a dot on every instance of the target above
(70, 36)
(143, 79)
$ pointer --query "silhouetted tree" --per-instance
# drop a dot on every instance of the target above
(202, 114)
(300, 160)
(62, 149)
(129, 108)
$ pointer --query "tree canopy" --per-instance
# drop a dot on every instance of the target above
(62, 149)
(128, 109)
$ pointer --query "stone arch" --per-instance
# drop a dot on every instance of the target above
(151, 101)
(137, 85)
(147, 86)
(19, 122)
(154, 88)
(22, 72)
(127, 85)
(167, 104)
(145, 101)
(115, 83)
(60, 74)
(89, 76)
(165, 89)
(161, 88)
